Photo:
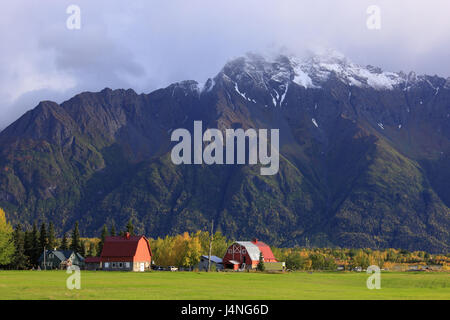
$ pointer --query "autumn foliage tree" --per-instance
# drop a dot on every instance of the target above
(186, 249)
(6, 240)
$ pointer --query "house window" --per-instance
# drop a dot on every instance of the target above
(113, 264)
(127, 264)
(106, 264)
(244, 251)
(120, 265)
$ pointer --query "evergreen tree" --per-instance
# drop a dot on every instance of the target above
(113, 229)
(51, 236)
(6, 240)
(102, 239)
(130, 227)
(34, 246)
(261, 266)
(43, 239)
(64, 243)
(20, 261)
(28, 244)
(76, 244)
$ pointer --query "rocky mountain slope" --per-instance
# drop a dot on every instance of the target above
(365, 157)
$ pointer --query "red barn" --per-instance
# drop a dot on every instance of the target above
(245, 254)
(126, 253)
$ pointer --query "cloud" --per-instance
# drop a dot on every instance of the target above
(92, 56)
(146, 44)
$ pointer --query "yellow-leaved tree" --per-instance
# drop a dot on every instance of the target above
(6, 240)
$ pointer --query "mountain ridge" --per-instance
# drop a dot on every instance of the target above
(360, 166)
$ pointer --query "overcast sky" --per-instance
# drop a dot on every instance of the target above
(147, 44)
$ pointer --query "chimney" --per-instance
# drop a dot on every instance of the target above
(255, 240)
(127, 236)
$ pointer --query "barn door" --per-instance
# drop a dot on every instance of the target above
(142, 267)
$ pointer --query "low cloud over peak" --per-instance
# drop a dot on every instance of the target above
(150, 44)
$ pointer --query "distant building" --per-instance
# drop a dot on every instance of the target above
(126, 253)
(93, 263)
(60, 259)
(245, 255)
(216, 263)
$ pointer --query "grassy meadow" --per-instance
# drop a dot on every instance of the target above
(229, 285)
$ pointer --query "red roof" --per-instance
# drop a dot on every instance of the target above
(265, 249)
(122, 246)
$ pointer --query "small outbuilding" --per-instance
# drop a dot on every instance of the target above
(93, 263)
(216, 263)
(126, 253)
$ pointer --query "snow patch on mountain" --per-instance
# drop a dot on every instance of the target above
(272, 76)
(283, 96)
(240, 93)
(313, 71)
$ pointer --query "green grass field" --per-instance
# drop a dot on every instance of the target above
(193, 285)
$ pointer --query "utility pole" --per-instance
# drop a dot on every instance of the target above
(210, 245)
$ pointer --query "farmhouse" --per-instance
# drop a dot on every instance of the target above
(245, 255)
(60, 259)
(126, 253)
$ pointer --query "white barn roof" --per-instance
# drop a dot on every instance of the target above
(252, 249)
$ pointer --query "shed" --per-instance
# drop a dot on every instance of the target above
(216, 263)
(93, 263)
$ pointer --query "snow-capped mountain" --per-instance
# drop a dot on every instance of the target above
(364, 157)
(275, 74)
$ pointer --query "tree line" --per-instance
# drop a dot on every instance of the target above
(21, 248)
(302, 258)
